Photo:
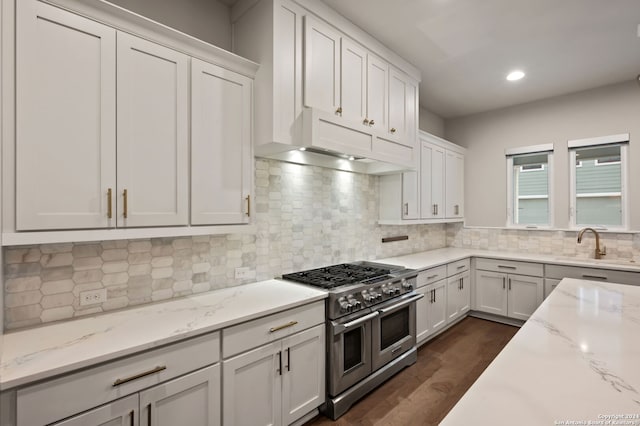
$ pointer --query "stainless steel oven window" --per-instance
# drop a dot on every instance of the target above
(394, 327)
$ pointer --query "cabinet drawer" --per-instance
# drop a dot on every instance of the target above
(623, 277)
(457, 267)
(255, 333)
(432, 275)
(510, 267)
(62, 397)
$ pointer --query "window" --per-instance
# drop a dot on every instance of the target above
(598, 186)
(528, 177)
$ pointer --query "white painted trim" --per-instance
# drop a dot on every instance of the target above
(532, 197)
(28, 238)
(511, 217)
(599, 194)
(624, 166)
(600, 140)
(532, 149)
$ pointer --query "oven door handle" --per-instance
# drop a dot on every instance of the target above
(401, 304)
(341, 328)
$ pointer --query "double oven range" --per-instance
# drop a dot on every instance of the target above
(371, 326)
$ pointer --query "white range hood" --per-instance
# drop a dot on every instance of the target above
(327, 140)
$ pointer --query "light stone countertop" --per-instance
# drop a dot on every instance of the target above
(433, 258)
(574, 361)
(44, 352)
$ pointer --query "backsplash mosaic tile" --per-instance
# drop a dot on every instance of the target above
(620, 246)
(305, 216)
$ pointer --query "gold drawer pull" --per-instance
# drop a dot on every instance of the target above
(283, 326)
(139, 376)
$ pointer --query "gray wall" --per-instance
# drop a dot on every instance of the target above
(208, 20)
(603, 111)
(430, 122)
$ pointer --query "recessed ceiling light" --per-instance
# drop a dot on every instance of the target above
(515, 75)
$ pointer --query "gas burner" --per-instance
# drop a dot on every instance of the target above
(338, 275)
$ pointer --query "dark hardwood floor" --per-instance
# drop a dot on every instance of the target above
(424, 393)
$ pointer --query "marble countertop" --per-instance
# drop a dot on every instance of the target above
(43, 352)
(574, 361)
(432, 258)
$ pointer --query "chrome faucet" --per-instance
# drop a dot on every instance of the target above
(599, 253)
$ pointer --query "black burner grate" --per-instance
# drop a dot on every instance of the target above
(337, 275)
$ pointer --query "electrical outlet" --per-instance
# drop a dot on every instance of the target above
(93, 296)
(243, 273)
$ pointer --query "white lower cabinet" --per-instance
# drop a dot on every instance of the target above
(277, 383)
(123, 412)
(511, 295)
(549, 285)
(431, 310)
(192, 400)
(458, 295)
(170, 385)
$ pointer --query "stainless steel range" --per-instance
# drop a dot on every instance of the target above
(371, 326)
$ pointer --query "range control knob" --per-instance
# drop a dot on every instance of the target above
(390, 290)
(406, 284)
(345, 306)
(367, 297)
(355, 304)
(374, 295)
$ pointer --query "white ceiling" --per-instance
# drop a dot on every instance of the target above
(465, 48)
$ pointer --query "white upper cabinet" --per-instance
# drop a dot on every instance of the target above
(153, 133)
(377, 92)
(66, 116)
(432, 165)
(438, 194)
(321, 65)
(403, 107)
(103, 124)
(354, 81)
(221, 159)
(454, 184)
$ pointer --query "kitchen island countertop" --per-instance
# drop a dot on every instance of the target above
(574, 361)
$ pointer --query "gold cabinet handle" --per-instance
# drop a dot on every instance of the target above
(339, 111)
(365, 121)
(109, 204)
(124, 194)
(248, 198)
(372, 122)
(139, 375)
(393, 130)
(283, 326)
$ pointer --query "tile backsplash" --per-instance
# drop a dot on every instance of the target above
(305, 217)
(620, 246)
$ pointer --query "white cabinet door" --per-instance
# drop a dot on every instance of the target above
(454, 194)
(465, 293)
(303, 375)
(252, 387)
(423, 327)
(402, 107)
(438, 308)
(432, 163)
(221, 159)
(525, 295)
(321, 65)
(152, 134)
(377, 92)
(122, 412)
(491, 293)
(549, 285)
(193, 399)
(353, 94)
(65, 119)
(410, 195)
